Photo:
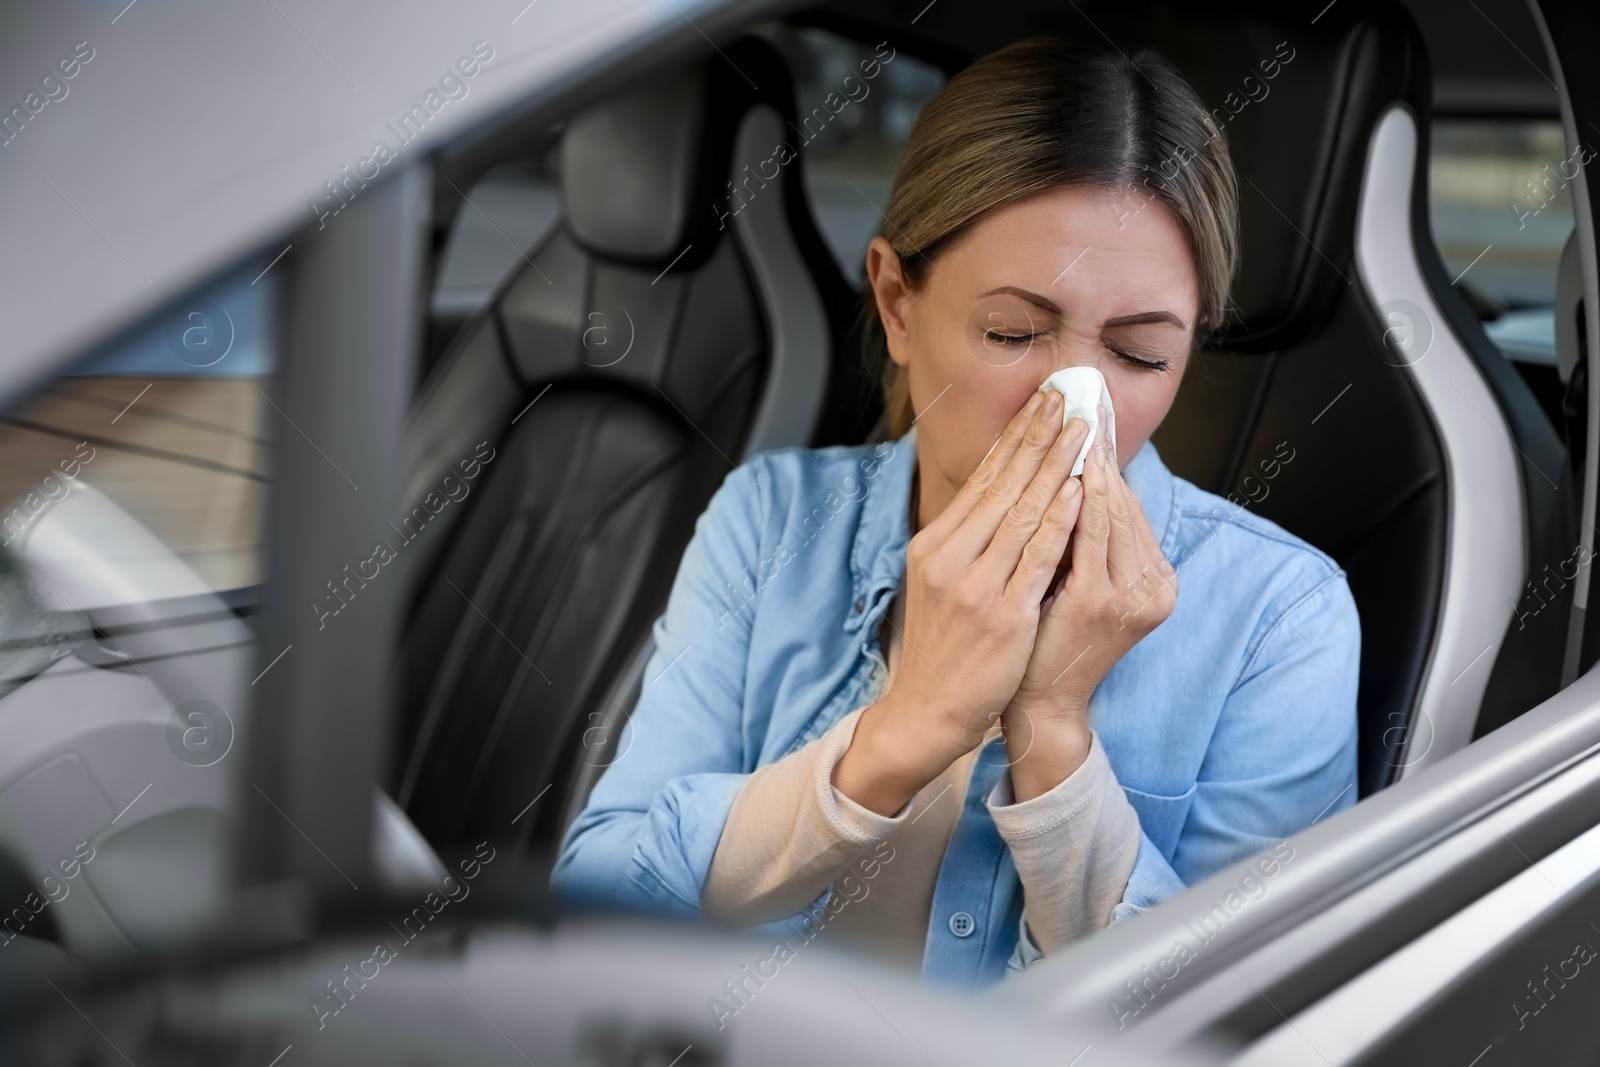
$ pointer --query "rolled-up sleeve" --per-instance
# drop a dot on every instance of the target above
(791, 833)
(647, 834)
(1074, 848)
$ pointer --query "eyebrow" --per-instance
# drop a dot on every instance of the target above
(1145, 316)
(1032, 298)
(1137, 319)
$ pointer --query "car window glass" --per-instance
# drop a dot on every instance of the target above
(132, 488)
(1501, 209)
(854, 128)
(171, 424)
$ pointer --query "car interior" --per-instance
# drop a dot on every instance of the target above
(623, 301)
(703, 339)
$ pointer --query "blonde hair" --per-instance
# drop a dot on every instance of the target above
(1037, 115)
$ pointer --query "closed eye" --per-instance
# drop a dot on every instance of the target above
(1001, 338)
(1149, 364)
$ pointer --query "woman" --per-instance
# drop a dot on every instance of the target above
(1063, 731)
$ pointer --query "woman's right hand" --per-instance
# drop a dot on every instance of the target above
(975, 576)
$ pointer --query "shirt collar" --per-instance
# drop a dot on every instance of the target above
(878, 557)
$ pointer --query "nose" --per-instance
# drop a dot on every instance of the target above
(1086, 395)
(1081, 354)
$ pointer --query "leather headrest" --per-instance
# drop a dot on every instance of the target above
(628, 168)
(641, 173)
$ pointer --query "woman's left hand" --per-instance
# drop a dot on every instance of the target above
(1118, 588)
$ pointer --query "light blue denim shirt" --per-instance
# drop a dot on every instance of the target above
(1230, 727)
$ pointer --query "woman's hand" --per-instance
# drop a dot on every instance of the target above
(975, 576)
(1118, 588)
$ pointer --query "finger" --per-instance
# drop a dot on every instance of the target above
(968, 540)
(1000, 559)
(1148, 540)
(956, 512)
(1154, 557)
(1038, 559)
(1094, 521)
(1123, 547)
(1140, 569)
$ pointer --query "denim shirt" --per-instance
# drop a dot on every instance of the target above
(1230, 727)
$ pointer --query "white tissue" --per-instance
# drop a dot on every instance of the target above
(1081, 388)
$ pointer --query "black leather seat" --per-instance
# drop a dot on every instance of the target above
(651, 342)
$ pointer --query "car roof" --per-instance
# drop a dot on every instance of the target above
(192, 135)
(196, 135)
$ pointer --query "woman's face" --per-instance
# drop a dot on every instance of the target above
(1074, 276)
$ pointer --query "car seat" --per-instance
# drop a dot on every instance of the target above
(679, 318)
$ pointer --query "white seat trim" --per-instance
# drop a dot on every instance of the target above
(1486, 551)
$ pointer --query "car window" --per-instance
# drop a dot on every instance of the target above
(168, 426)
(1501, 209)
(851, 155)
(132, 489)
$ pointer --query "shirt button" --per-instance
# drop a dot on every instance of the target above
(962, 924)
